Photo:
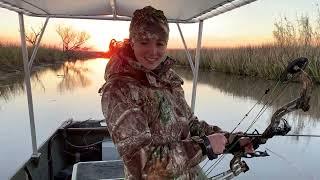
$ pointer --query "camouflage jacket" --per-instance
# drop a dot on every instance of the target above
(150, 121)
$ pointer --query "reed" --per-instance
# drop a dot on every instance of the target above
(11, 56)
(266, 60)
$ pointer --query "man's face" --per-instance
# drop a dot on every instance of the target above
(149, 51)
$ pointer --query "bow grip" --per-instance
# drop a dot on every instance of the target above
(207, 148)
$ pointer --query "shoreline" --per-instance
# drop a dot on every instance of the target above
(266, 61)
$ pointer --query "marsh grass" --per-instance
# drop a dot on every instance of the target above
(11, 56)
(266, 60)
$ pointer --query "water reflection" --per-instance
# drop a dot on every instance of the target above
(250, 88)
(9, 90)
(75, 75)
(71, 75)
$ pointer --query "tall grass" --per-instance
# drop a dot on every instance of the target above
(11, 56)
(266, 61)
(292, 40)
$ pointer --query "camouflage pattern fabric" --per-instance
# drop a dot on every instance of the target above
(149, 23)
(150, 122)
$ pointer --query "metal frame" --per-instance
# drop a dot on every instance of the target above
(186, 49)
(27, 67)
(222, 9)
(197, 60)
(114, 9)
(28, 64)
(194, 67)
(35, 50)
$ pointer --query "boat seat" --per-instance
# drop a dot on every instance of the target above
(102, 170)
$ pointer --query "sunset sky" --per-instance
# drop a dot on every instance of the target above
(251, 24)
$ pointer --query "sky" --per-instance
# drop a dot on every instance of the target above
(248, 25)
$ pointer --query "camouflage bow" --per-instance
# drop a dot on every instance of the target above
(278, 125)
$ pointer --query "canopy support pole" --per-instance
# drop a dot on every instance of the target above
(114, 10)
(35, 153)
(35, 50)
(197, 59)
(186, 49)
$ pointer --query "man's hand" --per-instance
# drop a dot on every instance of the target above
(218, 142)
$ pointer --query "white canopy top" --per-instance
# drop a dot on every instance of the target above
(183, 11)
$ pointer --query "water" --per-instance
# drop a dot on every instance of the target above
(70, 91)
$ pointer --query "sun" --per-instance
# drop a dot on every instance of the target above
(102, 32)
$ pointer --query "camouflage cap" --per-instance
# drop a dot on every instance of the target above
(149, 23)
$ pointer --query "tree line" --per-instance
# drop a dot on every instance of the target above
(71, 39)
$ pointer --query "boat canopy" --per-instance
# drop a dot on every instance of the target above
(183, 11)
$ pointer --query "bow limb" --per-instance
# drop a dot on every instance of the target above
(301, 102)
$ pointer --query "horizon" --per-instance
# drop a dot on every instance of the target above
(249, 25)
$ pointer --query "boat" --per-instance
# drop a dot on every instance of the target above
(84, 150)
(85, 144)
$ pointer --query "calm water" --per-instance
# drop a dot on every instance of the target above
(70, 91)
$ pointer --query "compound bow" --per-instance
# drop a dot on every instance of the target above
(278, 125)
